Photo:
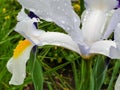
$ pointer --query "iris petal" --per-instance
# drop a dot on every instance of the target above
(106, 48)
(112, 24)
(17, 66)
(40, 37)
(117, 85)
(59, 39)
(59, 11)
(101, 4)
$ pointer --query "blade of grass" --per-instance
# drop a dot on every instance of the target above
(115, 72)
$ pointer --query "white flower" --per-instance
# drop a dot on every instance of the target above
(99, 20)
(17, 64)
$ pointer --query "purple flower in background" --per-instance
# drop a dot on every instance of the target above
(118, 4)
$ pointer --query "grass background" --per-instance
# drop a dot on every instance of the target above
(58, 63)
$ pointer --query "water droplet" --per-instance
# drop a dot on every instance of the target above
(58, 7)
(63, 22)
(63, 10)
(67, 28)
(65, 4)
(44, 43)
(48, 19)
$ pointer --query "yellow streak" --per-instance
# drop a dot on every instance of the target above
(22, 45)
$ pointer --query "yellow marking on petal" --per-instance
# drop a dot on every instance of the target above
(22, 45)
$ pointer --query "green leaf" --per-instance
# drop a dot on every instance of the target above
(37, 75)
(115, 72)
(100, 70)
(86, 78)
(75, 75)
(36, 70)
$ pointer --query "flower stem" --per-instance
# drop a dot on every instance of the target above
(115, 72)
(86, 78)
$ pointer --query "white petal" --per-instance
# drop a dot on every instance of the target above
(112, 24)
(17, 66)
(22, 15)
(117, 84)
(58, 11)
(115, 52)
(93, 25)
(59, 39)
(117, 35)
(105, 48)
(28, 30)
(101, 4)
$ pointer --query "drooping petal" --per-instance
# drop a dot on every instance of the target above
(117, 84)
(112, 24)
(40, 37)
(36, 36)
(59, 11)
(17, 64)
(101, 4)
(106, 48)
(59, 39)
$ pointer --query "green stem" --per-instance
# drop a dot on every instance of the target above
(36, 70)
(75, 76)
(86, 79)
(115, 71)
(82, 6)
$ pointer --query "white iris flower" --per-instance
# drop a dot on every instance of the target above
(98, 21)
(17, 64)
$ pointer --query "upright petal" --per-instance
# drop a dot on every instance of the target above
(93, 25)
(101, 4)
(117, 84)
(112, 24)
(117, 35)
(95, 19)
(17, 64)
(59, 11)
